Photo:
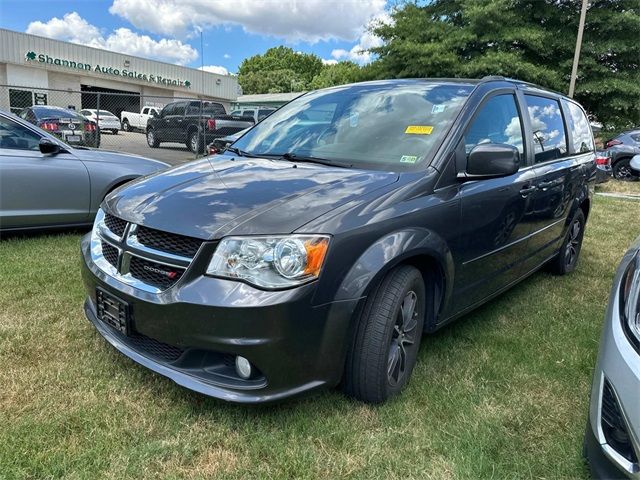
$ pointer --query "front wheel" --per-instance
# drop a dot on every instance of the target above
(152, 139)
(125, 125)
(386, 337)
(567, 258)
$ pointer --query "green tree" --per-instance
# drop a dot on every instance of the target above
(278, 70)
(532, 40)
(337, 74)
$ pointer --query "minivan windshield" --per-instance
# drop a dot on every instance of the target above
(389, 125)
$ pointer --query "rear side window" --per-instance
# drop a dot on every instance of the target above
(635, 137)
(145, 111)
(549, 137)
(580, 129)
(497, 121)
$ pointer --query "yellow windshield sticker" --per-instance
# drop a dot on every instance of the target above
(419, 129)
(408, 159)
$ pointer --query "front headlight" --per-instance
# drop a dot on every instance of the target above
(278, 261)
(630, 299)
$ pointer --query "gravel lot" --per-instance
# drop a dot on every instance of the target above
(136, 143)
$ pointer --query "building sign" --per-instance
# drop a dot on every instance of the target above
(105, 70)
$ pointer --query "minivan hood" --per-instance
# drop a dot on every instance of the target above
(223, 195)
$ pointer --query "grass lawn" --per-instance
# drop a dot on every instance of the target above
(502, 393)
(616, 186)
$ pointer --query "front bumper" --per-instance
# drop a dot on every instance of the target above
(191, 333)
(619, 365)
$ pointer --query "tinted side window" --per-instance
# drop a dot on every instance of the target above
(178, 109)
(17, 137)
(580, 129)
(549, 138)
(167, 110)
(497, 121)
(635, 137)
(145, 110)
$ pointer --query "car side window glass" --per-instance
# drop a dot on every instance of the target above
(145, 111)
(167, 110)
(549, 137)
(248, 113)
(635, 137)
(580, 128)
(498, 121)
(17, 137)
(178, 109)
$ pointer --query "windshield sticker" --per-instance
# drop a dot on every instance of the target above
(408, 159)
(438, 108)
(353, 120)
(419, 129)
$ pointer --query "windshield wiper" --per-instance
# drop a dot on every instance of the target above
(294, 157)
(237, 151)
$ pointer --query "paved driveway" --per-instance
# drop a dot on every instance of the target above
(136, 143)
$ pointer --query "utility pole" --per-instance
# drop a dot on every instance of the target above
(576, 56)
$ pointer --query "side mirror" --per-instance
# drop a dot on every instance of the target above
(48, 147)
(490, 160)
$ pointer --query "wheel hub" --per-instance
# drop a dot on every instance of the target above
(403, 338)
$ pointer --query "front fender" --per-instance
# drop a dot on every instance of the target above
(391, 250)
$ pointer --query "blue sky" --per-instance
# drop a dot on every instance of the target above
(167, 30)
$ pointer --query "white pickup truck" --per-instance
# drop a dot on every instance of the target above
(138, 121)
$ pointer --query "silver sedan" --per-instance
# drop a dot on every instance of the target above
(45, 182)
(612, 441)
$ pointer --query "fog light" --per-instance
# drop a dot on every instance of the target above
(243, 367)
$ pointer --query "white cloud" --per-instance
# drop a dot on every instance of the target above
(73, 28)
(226, 55)
(359, 52)
(293, 20)
(215, 69)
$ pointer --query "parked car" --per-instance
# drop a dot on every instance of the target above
(612, 439)
(257, 113)
(105, 119)
(603, 163)
(65, 124)
(138, 121)
(621, 149)
(219, 145)
(194, 123)
(45, 182)
(338, 230)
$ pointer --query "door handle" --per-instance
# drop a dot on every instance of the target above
(528, 190)
(545, 185)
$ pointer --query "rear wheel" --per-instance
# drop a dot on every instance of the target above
(387, 337)
(622, 171)
(195, 143)
(115, 132)
(125, 125)
(567, 259)
(152, 139)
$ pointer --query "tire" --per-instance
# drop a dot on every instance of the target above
(567, 259)
(152, 139)
(194, 142)
(114, 132)
(622, 171)
(125, 125)
(385, 342)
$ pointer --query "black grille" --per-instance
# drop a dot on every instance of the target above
(115, 224)
(110, 253)
(155, 274)
(168, 242)
(613, 425)
(155, 348)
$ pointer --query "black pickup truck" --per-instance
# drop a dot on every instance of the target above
(194, 123)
